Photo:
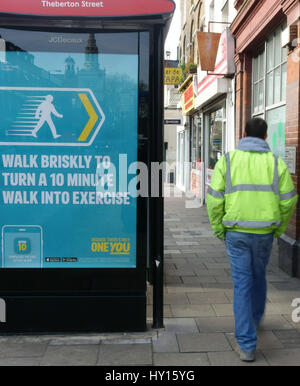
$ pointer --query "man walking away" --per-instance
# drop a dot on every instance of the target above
(250, 200)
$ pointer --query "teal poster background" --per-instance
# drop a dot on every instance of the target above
(65, 118)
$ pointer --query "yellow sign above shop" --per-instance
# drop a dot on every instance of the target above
(172, 75)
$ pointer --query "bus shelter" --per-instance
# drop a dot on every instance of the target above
(81, 118)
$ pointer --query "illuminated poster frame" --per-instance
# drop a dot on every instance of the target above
(99, 299)
(63, 150)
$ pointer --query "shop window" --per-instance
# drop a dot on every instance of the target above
(269, 74)
(184, 13)
(199, 17)
(194, 145)
(196, 157)
(276, 130)
(283, 82)
(225, 12)
(212, 16)
(184, 50)
(258, 82)
(192, 42)
(199, 142)
(215, 137)
(276, 69)
(269, 77)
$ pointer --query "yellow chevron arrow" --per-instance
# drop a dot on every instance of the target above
(93, 117)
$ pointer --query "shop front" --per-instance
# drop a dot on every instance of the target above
(213, 121)
(184, 152)
(196, 154)
(267, 85)
(215, 129)
(208, 144)
(183, 155)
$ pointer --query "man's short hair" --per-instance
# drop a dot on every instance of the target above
(256, 127)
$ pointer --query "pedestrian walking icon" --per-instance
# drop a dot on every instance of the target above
(50, 117)
(36, 111)
(43, 113)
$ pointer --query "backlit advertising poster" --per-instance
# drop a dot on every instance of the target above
(68, 132)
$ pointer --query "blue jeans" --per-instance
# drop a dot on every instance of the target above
(249, 255)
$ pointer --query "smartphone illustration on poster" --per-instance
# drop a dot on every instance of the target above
(22, 246)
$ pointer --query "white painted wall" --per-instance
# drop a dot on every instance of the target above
(218, 10)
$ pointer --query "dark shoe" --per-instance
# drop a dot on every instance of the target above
(247, 356)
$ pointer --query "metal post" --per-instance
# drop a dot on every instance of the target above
(158, 202)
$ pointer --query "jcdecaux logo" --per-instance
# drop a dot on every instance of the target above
(49, 117)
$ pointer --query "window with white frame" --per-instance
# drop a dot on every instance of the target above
(269, 78)
(184, 13)
(258, 83)
(225, 11)
(212, 13)
(184, 50)
(192, 46)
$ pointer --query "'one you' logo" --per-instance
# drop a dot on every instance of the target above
(2, 311)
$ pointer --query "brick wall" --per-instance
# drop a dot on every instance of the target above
(293, 126)
(251, 26)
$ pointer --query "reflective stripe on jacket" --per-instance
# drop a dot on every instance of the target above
(251, 191)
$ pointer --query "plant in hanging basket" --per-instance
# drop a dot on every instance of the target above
(192, 68)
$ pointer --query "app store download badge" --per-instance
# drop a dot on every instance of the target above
(22, 246)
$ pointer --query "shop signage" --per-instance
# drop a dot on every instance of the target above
(87, 7)
(172, 121)
(195, 84)
(196, 180)
(224, 62)
(225, 56)
(188, 99)
(171, 63)
(290, 158)
(208, 44)
(172, 75)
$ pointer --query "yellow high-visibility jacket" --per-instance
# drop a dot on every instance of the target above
(251, 191)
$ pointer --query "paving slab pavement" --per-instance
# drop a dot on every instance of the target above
(198, 315)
